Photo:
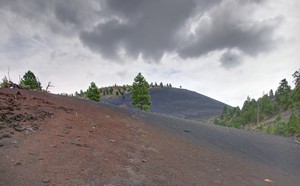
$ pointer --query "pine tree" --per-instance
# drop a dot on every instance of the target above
(93, 92)
(30, 81)
(140, 93)
(296, 77)
(283, 94)
(161, 85)
(271, 94)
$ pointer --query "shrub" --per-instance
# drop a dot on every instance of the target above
(4, 83)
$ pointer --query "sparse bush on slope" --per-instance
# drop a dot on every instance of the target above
(4, 83)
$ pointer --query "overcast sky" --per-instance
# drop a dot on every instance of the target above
(225, 49)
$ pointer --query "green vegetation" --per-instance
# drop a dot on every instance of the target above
(93, 92)
(140, 93)
(30, 81)
(272, 114)
(5, 83)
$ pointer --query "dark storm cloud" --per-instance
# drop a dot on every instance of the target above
(229, 26)
(151, 28)
(78, 13)
(141, 27)
(231, 59)
(66, 17)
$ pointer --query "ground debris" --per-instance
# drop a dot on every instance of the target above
(20, 113)
(268, 180)
(46, 180)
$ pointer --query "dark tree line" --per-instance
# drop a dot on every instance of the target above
(268, 106)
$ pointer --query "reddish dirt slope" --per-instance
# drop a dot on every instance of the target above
(68, 141)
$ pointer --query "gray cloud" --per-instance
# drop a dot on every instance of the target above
(77, 13)
(153, 28)
(150, 28)
(231, 59)
(67, 17)
(145, 27)
(229, 26)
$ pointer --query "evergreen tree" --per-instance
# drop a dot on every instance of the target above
(151, 85)
(296, 77)
(93, 92)
(111, 90)
(296, 92)
(282, 94)
(30, 81)
(140, 93)
(271, 94)
(294, 124)
(161, 85)
(226, 114)
(82, 94)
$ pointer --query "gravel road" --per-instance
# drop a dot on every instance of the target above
(270, 150)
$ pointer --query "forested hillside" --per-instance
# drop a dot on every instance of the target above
(273, 113)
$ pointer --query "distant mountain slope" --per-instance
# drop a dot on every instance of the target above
(177, 102)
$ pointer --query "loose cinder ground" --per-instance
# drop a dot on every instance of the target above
(78, 142)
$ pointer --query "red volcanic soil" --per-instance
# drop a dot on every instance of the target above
(49, 139)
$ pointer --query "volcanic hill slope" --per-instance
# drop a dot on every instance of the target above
(177, 102)
(49, 139)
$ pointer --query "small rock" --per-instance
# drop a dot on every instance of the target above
(19, 129)
(268, 180)
(14, 142)
(18, 163)
(1, 145)
(144, 161)
(5, 135)
(54, 146)
(45, 180)
(112, 141)
(86, 145)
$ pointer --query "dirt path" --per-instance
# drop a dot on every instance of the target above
(82, 143)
